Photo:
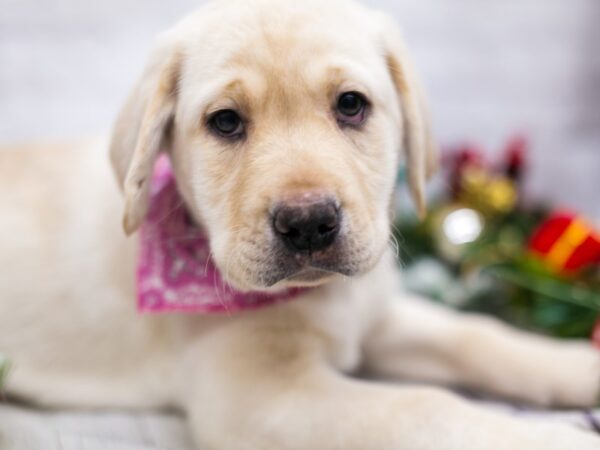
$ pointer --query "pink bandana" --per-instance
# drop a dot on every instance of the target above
(175, 270)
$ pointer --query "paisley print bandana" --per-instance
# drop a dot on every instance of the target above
(175, 270)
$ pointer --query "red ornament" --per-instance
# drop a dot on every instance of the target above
(459, 160)
(566, 243)
(516, 151)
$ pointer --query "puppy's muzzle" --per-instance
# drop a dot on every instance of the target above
(307, 223)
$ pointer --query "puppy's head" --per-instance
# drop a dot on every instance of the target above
(285, 122)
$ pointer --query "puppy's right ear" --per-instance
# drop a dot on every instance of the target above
(142, 130)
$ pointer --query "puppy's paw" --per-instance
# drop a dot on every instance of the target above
(575, 380)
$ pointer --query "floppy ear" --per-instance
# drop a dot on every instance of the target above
(419, 147)
(142, 131)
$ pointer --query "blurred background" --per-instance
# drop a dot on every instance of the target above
(492, 68)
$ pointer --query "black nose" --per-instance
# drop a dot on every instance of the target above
(307, 224)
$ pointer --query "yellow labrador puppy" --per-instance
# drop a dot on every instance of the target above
(284, 122)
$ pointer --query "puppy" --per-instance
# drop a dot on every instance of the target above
(284, 123)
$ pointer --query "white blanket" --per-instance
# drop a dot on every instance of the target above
(25, 429)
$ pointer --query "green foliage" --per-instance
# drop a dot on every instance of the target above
(4, 366)
(512, 284)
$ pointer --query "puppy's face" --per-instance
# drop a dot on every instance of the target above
(285, 129)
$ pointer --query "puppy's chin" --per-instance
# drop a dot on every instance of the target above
(284, 275)
(289, 273)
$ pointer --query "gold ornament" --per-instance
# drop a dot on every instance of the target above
(488, 193)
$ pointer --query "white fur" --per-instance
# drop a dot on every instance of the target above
(276, 378)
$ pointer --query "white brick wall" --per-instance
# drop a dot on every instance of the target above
(492, 67)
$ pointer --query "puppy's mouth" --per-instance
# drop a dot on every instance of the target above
(308, 268)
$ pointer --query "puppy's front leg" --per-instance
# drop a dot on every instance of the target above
(420, 340)
(276, 392)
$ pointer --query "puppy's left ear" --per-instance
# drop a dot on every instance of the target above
(420, 150)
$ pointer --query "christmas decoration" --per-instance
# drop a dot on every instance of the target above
(596, 335)
(3, 370)
(486, 248)
(566, 243)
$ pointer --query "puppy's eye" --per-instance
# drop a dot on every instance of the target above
(351, 108)
(227, 123)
